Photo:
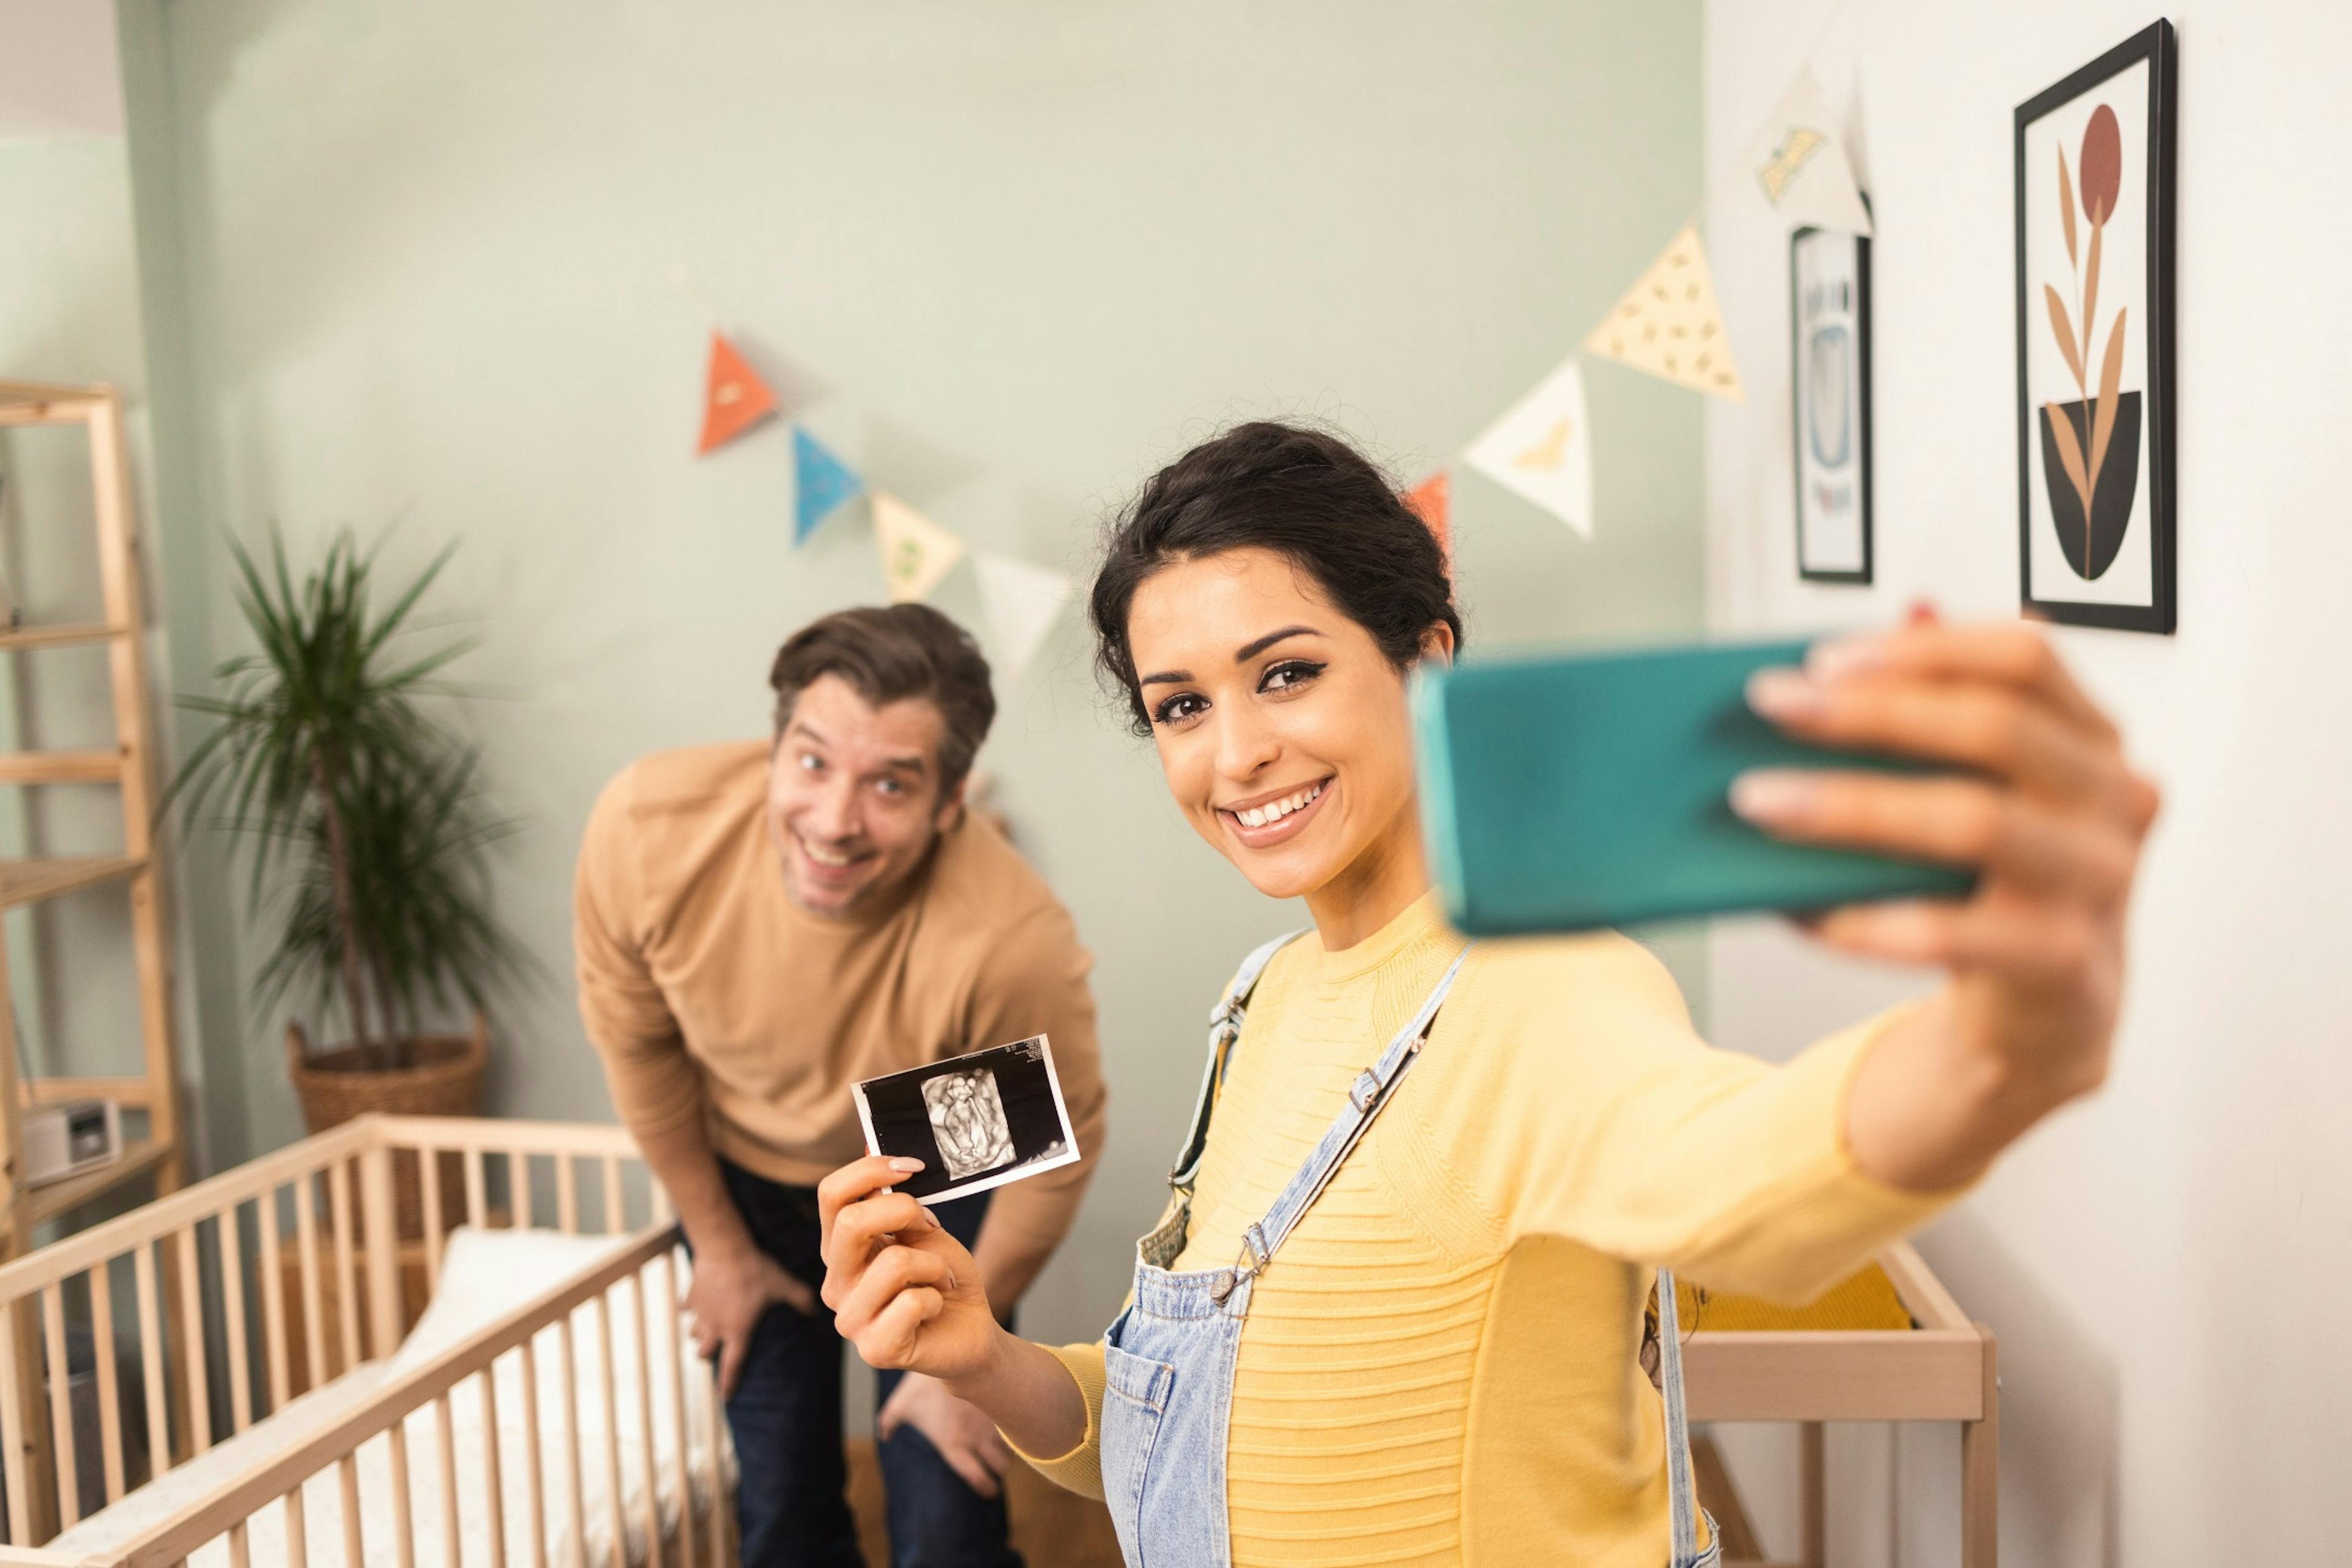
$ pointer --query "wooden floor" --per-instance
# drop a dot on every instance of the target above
(1051, 1528)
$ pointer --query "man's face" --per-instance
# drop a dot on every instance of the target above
(854, 795)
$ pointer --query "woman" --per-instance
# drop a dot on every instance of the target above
(1397, 1317)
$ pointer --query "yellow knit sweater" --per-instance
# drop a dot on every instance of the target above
(1440, 1364)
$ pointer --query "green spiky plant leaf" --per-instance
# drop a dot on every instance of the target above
(363, 820)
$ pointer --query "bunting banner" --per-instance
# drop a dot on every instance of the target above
(1801, 168)
(735, 398)
(1431, 500)
(1541, 447)
(915, 551)
(1021, 603)
(1668, 323)
(822, 484)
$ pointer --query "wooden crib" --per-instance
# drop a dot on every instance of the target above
(251, 1369)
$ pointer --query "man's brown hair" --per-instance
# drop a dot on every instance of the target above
(888, 653)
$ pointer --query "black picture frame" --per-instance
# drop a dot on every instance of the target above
(1798, 243)
(2155, 45)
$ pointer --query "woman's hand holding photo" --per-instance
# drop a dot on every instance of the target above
(2049, 813)
(909, 1296)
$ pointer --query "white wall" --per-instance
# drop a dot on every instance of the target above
(1029, 250)
(2161, 1265)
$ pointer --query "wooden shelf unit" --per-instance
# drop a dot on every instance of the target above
(128, 767)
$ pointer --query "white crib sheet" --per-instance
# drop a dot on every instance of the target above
(484, 1275)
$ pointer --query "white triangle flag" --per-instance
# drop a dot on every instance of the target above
(1542, 448)
(915, 551)
(1021, 603)
(1796, 163)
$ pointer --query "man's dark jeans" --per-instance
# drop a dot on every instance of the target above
(786, 1419)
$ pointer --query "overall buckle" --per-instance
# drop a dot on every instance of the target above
(1255, 1255)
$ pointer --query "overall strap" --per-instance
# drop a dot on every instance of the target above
(1367, 1097)
(1224, 1032)
(1682, 1502)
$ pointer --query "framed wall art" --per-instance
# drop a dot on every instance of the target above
(2094, 347)
(1829, 357)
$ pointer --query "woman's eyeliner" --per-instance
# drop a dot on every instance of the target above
(1183, 705)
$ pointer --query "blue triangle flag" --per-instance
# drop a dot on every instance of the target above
(823, 483)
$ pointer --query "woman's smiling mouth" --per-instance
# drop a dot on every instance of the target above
(1270, 820)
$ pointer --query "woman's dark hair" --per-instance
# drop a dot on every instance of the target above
(887, 653)
(1304, 494)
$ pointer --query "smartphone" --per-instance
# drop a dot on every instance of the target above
(1565, 791)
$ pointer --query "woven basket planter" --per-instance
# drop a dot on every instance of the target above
(446, 1080)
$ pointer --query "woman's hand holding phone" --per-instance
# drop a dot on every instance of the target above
(2050, 815)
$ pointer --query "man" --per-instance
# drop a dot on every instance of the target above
(761, 925)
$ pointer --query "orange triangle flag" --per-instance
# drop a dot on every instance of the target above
(1431, 500)
(736, 399)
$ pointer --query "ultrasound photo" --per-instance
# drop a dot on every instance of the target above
(976, 1122)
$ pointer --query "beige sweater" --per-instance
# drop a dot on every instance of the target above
(708, 993)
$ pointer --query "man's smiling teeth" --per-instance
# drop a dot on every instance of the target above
(1276, 810)
(823, 856)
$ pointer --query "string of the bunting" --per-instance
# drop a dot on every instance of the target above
(1669, 322)
(1019, 601)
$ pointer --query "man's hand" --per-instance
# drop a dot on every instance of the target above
(965, 1438)
(732, 1292)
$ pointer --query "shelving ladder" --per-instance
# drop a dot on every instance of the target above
(130, 767)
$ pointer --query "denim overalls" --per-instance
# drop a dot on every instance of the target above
(1168, 1361)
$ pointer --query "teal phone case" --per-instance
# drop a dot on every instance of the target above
(1567, 792)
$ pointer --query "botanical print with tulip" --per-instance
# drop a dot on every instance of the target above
(2090, 444)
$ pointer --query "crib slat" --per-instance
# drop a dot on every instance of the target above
(445, 1432)
(347, 1473)
(645, 1419)
(567, 1196)
(533, 1469)
(674, 1354)
(229, 1234)
(198, 1376)
(151, 1361)
(608, 1384)
(517, 1189)
(61, 1425)
(12, 1431)
(110, 1393)
(616, 1218)
(428, 1164)
(298, 1531)
(314, 1316)
(380, 1230)
(478, 1203)
(714, 1438)
(404, 1519)
(240, 1555)
(346, 1288)
(568, 1386)
(494, 1503)
(273, 1297)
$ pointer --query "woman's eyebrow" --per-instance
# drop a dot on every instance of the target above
(1243, 655)
(1250, 650)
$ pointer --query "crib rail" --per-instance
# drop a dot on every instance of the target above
(201, 1314)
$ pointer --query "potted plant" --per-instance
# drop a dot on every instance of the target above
(364, 821)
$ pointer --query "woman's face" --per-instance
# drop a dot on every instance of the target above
(1281, 726)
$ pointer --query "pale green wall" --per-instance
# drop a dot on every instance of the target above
(1028, 251)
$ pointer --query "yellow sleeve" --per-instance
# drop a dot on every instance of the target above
(1608, 1120)
(1080, 1469)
